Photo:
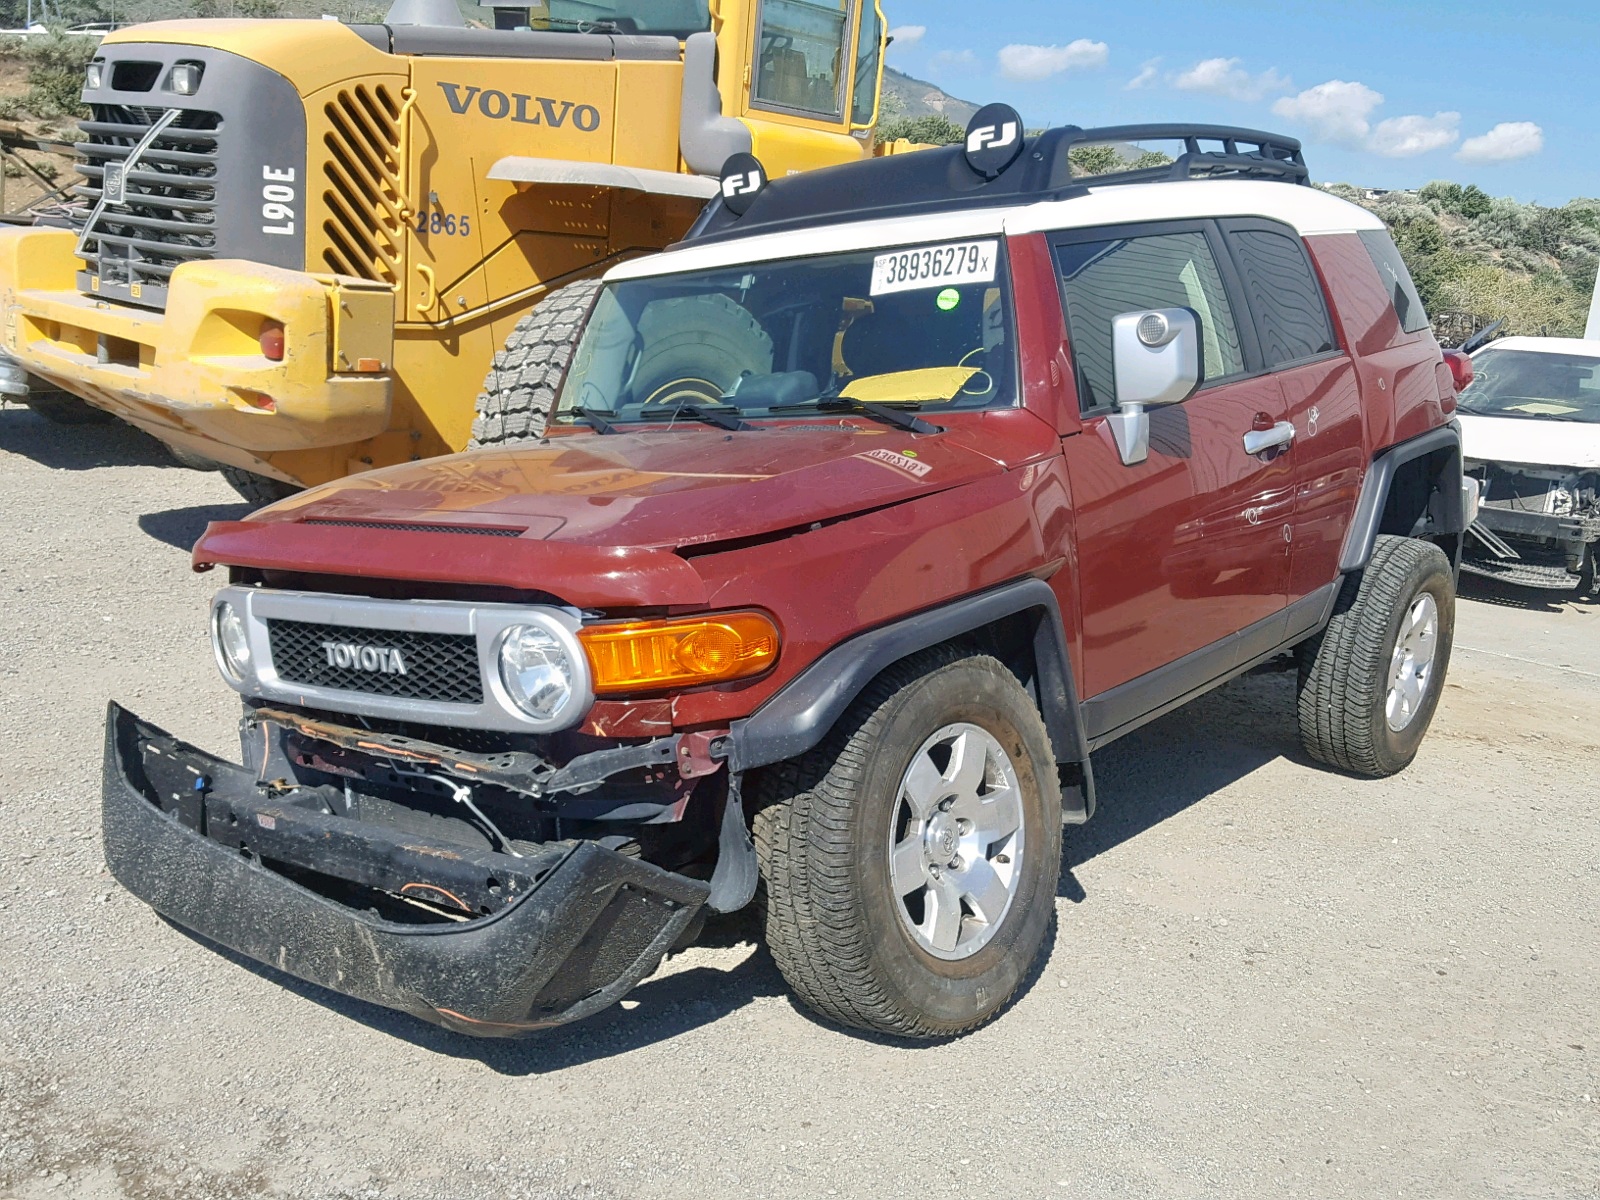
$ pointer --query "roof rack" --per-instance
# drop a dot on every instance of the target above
(958, 177)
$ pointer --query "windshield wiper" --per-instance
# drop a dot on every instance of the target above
(600, 26)
(723, 416)
(886, 413)
(595, 417)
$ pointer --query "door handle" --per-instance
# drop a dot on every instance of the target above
(1259, 441)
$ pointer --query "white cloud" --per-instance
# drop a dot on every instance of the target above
(1506, 141)
(1146, 76)
(1407, 137)
(1032, 63)
(1336, 111)
(1225, 77)
(955, 60)
(908, 35)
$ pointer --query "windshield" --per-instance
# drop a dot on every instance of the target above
(679, 18)
(1530, 383)
(927, 328)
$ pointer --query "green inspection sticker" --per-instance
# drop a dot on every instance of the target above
(948, 299)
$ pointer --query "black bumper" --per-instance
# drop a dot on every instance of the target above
(187, 833)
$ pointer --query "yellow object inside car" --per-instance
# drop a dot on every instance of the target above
(1543, 408)
(905, 387)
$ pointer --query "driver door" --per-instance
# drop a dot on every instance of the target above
(1177, 553)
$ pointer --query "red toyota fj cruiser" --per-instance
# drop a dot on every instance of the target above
(861, 520)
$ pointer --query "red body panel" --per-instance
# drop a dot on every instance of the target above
(837, 526)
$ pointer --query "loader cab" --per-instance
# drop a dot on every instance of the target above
(803, 74)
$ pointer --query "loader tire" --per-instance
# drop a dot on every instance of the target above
(521, 385)
(259, 490)
(61, 409)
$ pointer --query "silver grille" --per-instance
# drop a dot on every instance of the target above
(167, 209)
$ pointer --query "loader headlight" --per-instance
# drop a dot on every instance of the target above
(94, 75)
(544, 673)
(184, 78)
(230, 641)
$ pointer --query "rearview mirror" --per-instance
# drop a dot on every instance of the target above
(1156, 357)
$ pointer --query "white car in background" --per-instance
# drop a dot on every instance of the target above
(1531, 435)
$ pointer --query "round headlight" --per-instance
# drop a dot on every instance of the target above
(538, 671)
(232, 644)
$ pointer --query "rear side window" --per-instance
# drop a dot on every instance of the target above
(1396, 279)
(1291, 315)
(1103, 280)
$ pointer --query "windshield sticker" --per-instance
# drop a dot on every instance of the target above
(948, 299)
(899, 462)
(927, 267)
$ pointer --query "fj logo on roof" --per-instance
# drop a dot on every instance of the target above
(349, 656)
(994, 139)
(743, 177)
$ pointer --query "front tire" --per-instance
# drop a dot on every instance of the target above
(1369, 684)
(911, 859)
(259, 490)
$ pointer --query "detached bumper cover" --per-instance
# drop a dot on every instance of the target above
(582, 926)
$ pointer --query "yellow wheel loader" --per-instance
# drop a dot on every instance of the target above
(300, 243)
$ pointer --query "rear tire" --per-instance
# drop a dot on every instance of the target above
(61, 409)
(1370, 682)
(521, 385)
(259, 490)
(857, 910)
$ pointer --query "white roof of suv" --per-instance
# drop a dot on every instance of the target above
(1306, 209)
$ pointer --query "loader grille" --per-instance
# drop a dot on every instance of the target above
(167, 212)
(365, 202)
(438, 666)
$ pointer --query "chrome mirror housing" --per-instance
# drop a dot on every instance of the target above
(1156, 357)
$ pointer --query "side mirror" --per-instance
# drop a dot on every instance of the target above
(1156, 357)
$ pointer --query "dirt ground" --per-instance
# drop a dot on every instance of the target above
(1268, 979)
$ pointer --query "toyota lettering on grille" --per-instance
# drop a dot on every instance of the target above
(364, 658)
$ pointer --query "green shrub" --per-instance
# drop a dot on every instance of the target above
(55, 64)
(933, 129)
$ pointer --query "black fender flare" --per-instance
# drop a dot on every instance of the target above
(1447, 514)
(799, 716)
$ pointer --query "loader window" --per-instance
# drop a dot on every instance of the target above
(802, 53)
(927, 328)
(869, 54)
(675, 18)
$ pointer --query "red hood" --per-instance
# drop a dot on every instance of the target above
(657, 489)
(598, 518)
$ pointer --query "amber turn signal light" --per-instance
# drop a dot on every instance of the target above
(646, 656)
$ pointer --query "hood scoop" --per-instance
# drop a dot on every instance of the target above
(414, 527)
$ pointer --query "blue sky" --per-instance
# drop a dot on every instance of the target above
(1503, 95)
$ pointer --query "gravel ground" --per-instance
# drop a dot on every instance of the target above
(1268, 980)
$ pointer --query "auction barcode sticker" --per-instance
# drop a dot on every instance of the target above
(934, 267)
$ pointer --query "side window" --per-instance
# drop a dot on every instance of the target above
(1291, 313)
(1103, 280)
(801, 53)
(1396, 279)
(869, 54)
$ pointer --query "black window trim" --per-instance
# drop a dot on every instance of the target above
(1231, 225)
(1232, 286)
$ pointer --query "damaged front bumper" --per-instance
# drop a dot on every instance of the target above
(488, 943)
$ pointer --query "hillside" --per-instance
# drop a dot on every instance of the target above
(910, 98)
(1478, 259)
